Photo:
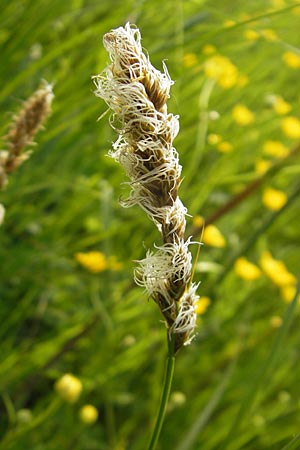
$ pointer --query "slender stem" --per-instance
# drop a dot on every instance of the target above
(168, 377)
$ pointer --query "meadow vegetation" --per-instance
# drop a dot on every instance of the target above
(82, 348)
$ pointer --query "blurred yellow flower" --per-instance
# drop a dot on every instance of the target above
(274, 199)
(276, 149)
(269, 34)
(68, 388)
(88, 414)
(291, 59)
(222, 70)
(213, 237)
(224, 147)
(177, 398)
(229, 23)
(280, 106)
(190, 59)
(251, 35)
(246, 269)
(242, 115)
(278, 3)
(214, 139)
(262, 166)
(276, 270)
(291, 127)
(288, 293)
(202, 305)
(276, 321)
(208, 49)
(198, 221)
(93, 261)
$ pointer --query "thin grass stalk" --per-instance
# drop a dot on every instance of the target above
(165, 394)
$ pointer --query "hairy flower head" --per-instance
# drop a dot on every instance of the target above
(137, 94)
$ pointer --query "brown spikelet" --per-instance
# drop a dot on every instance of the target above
(24, 126)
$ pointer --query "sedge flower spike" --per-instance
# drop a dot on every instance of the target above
(137, 94)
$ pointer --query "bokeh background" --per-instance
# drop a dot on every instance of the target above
(68, 304)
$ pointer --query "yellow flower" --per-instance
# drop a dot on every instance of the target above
(280, 106)
(296, 10)
(214, 139)
(262, 166)
(288, 293)
(242, 115)
(278, 3)
(291, 59)
(190, 60)
(177, 398)
(291, 127)
(251, 35)
(198, 221)
(246, 269)
(93, 261)
(229, 23)
(213, 237)
(224, 147)
(274, 199)
(88, 414)
(208, 49)
(276, 270)
(276, 149)
(269, 34)
(202, 305)
(222, 70)
(68, 388)
(276, 321)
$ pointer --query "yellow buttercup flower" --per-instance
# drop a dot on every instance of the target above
(269, 34)
(274, 199)
(208, 49)
(276, 149)
(214, 139)
(222, 70)
(224, 147)
(242, 115)
(88, 414)
(280, 106)
(262, 166)
(276, 321)
(229, 23)
(288, 293)
(198, 221)
(291, 127)
(251, 35)
(246, 269)
(291, 59)
(68, 388)
(202, 305)
(190, 60)
(276, 270)
(93, 261)
(213, 237)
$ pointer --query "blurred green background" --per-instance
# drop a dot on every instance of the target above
(236, 67)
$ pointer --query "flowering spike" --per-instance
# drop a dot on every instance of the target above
(137, 94)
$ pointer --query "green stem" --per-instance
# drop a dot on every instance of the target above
(168, 377)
